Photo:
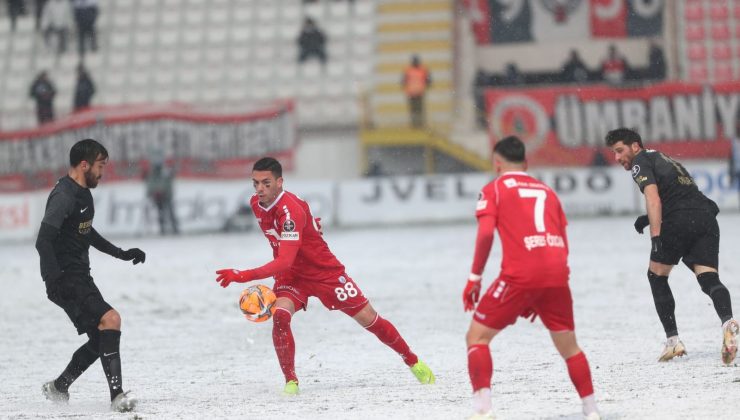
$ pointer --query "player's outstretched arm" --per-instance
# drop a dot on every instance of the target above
(283, 262)
(103, 245)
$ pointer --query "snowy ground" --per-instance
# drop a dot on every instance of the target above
(188, 352)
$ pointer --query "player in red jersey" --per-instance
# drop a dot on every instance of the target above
(303, 266)
(534, 274)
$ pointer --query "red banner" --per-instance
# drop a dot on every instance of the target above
(195, 142)
(608, 19)
(567, 125)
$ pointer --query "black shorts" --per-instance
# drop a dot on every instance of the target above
(80, 298)
(691, 235)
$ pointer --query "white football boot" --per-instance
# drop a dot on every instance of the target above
(123, 402)
(673, 348)
(730, 331)
(52, 394)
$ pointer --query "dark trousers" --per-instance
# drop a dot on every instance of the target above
(61, 34)
(166, 216)
(416, 111)
(306, 54)
(44, 111)
(85, 19)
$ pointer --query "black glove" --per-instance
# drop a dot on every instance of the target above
(133, 254)
(657, 245)
(641, 223)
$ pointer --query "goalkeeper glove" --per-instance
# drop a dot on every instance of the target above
(641, 223)
(135, 254)
(471, 292)
(228, 275)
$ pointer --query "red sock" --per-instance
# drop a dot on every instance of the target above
(282, 338)
(580, 374)
(480, 366)
(388, 335)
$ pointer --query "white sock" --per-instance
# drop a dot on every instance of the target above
(727, 323)
(672, 341)
(589, 405)
(482, 400)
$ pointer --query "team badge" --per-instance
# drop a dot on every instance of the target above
(635, 170)
(342, 280)
(288, 226)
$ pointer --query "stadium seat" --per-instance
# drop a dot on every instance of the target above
(723, 72)
(694, 11)
(168, 38)
(697, 51)
(694, 32)
(719, 11)
(720, 32)
(698, 72)
(721, 51)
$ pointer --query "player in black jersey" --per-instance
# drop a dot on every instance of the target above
(683, 226)
(63, 242)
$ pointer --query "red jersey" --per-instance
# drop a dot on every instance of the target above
(531, 223)
(288, 222)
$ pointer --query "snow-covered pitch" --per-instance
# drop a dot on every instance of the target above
(189, 353)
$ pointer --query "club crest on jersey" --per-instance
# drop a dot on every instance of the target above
(635, 170)
(342, 280)
(288, 226)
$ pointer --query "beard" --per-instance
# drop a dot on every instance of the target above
(91, 180)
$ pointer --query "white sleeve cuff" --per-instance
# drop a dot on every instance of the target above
(474, 277)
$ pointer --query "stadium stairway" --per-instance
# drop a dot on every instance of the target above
(406, 28)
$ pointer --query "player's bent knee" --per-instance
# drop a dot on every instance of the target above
(709, 282)
(111, 320)
(281, 317)
(366, 316)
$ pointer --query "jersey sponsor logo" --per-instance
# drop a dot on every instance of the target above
(635, 171)
(85, 227)
(288, 226)
(83, 210)
(481, 205)
(641, 179)
(539, 241)
(289, 236)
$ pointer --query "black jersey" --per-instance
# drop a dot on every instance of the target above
(676, 187)
(69, 209)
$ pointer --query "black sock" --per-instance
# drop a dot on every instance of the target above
(719, 294)
(85, 356)
(664, 303)
(110, 357)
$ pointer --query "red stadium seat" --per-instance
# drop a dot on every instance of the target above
(697, 51)
(698, 72)
(721, 51)
(719, 11)
(720, 31)
(723, 72)
(694, 11)
(694, 32)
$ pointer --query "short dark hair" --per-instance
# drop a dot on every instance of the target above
(269, 164)
(625, 135)
(510, 148)
(88, 150)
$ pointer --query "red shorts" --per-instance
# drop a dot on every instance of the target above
(336, 293)
(503, 303)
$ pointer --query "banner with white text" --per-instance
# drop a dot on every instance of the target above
(567, 125)
(196, 143)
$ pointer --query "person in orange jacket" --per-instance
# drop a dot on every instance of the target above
(415, 82)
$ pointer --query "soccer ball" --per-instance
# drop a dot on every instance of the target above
(257, 303)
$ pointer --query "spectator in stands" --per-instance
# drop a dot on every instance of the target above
(159, 190)
(86, 13)
(512, 75)
(480, 83)
(656, 62)
(84, 89)
(574, 70)
(311, 42)
(56, 19)
(40, 4)
(15, 8)
(415, 82)
(43, 91)
(614, 67)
